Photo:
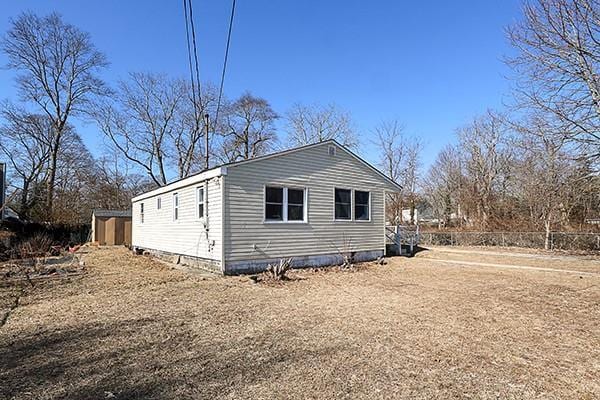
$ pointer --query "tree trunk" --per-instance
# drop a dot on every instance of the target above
(52, 175)
(24, 204)
(547, 225)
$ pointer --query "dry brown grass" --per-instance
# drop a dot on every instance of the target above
(133, 328)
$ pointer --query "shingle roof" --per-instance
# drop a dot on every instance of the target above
(112, 213)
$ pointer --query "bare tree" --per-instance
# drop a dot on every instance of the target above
(400, 159)
(59, 68)
(25, 143)
(391, 142)
(248, 129)
(558, 43)
(188, 139)
(547, 172)
(314, 123)
(155, 124)
(411, 174)
(486, 153)
(141, 119)
(442, 185)
(74, 173)
(115, 182)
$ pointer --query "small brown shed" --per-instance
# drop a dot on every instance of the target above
(111, 227)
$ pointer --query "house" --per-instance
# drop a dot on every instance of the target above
(315, 204)
(111, 227)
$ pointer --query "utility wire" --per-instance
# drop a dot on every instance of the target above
(224, 63)
(189, 49)
(196, 65)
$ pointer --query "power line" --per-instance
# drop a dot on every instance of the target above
(225, 62)
(196, 65)
(187, 36)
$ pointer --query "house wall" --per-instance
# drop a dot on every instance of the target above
(250, 242)
(186, 236)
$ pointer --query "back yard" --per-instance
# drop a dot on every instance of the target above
(440, 325)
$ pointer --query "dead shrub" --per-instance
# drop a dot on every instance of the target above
(39, 245)
(279, 270)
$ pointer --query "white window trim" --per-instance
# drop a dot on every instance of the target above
(284, 212)
(351, 204)
(204, 195)
(175, 206)
(354, 206)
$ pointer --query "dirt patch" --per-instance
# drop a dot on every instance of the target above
(134, 328)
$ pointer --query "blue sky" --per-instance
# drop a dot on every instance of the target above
(431, 65)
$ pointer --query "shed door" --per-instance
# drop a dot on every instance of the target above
(110, 231)
(127, 229)
(100, 231)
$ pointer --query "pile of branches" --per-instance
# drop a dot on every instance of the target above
(39, 257)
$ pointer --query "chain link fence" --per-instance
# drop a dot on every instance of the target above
(534, 240)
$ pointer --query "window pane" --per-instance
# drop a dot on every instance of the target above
(274, 212)
(361, 212)
(342, 196)
(274, 195)
(361, 197)
(295, 213)
(342, 204)
(200, 195)
(295, 196)
(342, 211)
(200, 210)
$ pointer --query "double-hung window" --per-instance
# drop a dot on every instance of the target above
(352, 205)
(284, 204)
(142, 213)
(343, 204)
(361, 205)
(200, 202)
(175, 206)
(158, 203)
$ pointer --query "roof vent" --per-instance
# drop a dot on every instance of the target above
(331, 150)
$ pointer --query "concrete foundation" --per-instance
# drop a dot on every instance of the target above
(190, 261)
(255, 266)
(321, 260)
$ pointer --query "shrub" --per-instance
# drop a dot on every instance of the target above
(39, 245)
(279, 270)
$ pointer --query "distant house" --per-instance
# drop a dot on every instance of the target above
(313, 204)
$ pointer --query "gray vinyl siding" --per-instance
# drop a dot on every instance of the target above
(187, 235)
(248, 237)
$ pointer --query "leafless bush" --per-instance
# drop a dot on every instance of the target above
(39, 245)
(534, 240)
(279, 270)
